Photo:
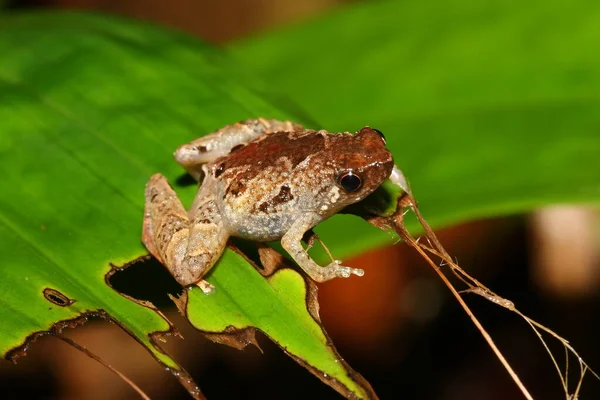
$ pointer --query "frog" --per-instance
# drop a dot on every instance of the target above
(262, 180)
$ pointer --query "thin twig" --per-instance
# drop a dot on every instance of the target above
(107, 365)
(410, 240)
(396, 221)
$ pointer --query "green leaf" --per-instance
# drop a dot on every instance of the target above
(489, 108)
(90, 108)
(286, 311)
(62, 224)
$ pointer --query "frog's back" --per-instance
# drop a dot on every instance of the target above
(258, 182)
(268, 183)
(268, 151)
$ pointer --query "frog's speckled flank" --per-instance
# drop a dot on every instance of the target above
(262, 180)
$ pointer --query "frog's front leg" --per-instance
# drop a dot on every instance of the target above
(187, 245)
(208, 148)
(291, 243)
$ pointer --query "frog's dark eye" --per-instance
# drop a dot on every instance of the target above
(380, 134)
(349, 181)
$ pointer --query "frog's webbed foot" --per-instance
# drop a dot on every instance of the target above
(208, 148)
(187, 248)
(333, 270)
(343, 272)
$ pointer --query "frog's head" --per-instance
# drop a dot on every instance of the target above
(363, 164)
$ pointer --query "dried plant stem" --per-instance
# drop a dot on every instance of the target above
(107, 365)
(411, 241)
(435, 248)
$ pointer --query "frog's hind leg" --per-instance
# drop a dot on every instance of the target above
(212, 146)
(187, 248)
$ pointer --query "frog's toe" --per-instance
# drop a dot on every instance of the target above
(346, 272)
(206, 287)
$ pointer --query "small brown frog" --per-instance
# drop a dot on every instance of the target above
(261, 180)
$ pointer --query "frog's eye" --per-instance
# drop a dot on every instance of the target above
(380, 134)
(349, 181)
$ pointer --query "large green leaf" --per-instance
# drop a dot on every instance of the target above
(489, 108)
(90, 107)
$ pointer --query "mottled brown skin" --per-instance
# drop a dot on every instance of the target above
(263, 180)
